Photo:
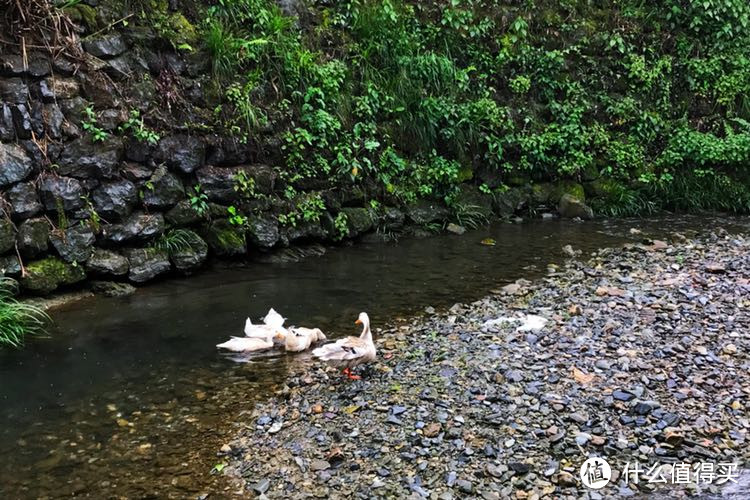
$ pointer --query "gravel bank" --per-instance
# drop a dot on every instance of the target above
(644, 358)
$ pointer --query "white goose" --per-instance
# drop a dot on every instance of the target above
(350, 351)
(299, 339)
(250, 344)
(273, 325)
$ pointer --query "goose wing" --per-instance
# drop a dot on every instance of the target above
(345, 349)
(245, 344)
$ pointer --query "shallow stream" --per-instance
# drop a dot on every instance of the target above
(129, 398)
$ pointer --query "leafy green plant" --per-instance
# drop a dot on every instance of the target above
(199, 201)
(18, 320)
(341, 225)
(89, 124)
(414, 97)
(244, 185)
(135, 125)
(236, 218)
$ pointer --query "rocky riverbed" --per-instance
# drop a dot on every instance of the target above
(644, 359)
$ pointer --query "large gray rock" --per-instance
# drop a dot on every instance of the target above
(571, 207)
(358, 220)
(7, 235)
(52, 119)
(163, 190)
(10, 266)
(263, 231)
(139, 227)
(181, 152)
(15, 164)
(425, 211)
(21, 120)
(46, 275)
(146, 263)
(39, 66)
(115, 200)
(392, 219)
(14, 90)
(12, 65)
(137, 151)
(306, 231)
(192, 256)
(219, 182)
(136, 172)
(24, 201)
(226, 240)
(183, 214)
(75, 244)
(61, 192)
(106, 46)
(32, 237)
(511, 201)
(85, 159)
(73, 109)
(107, 263)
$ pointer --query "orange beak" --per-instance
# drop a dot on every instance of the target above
(358, 322)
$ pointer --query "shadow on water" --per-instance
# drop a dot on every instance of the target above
(129, 395)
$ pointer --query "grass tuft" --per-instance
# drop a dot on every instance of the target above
(18, 320)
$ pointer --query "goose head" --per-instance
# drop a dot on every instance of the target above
(363, 320)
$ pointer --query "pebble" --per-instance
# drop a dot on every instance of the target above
(652, 370)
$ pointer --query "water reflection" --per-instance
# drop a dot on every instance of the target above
(127, 390)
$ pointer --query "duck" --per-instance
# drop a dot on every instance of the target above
(250, 344)
(273, 325)
(350, 351)
(299, 338)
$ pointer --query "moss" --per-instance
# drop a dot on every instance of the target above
(44, 276)
(226, 240)
(182, 31)
(566, 187)
(358, 220)
(87, 15)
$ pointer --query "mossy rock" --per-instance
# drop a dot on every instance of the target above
(226, 240)
(84, 15)
(46, 275)
(564, 187)
(358, 220)
(181, 30)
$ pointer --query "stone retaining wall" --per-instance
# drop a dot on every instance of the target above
(74, 208)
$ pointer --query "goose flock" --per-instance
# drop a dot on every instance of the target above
(345, 353)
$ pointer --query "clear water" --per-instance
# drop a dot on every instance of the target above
(129, 397)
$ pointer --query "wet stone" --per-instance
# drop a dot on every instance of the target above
(107, 262)
(33, 236)
(74, 244)
(24, 200)
(16, 164)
